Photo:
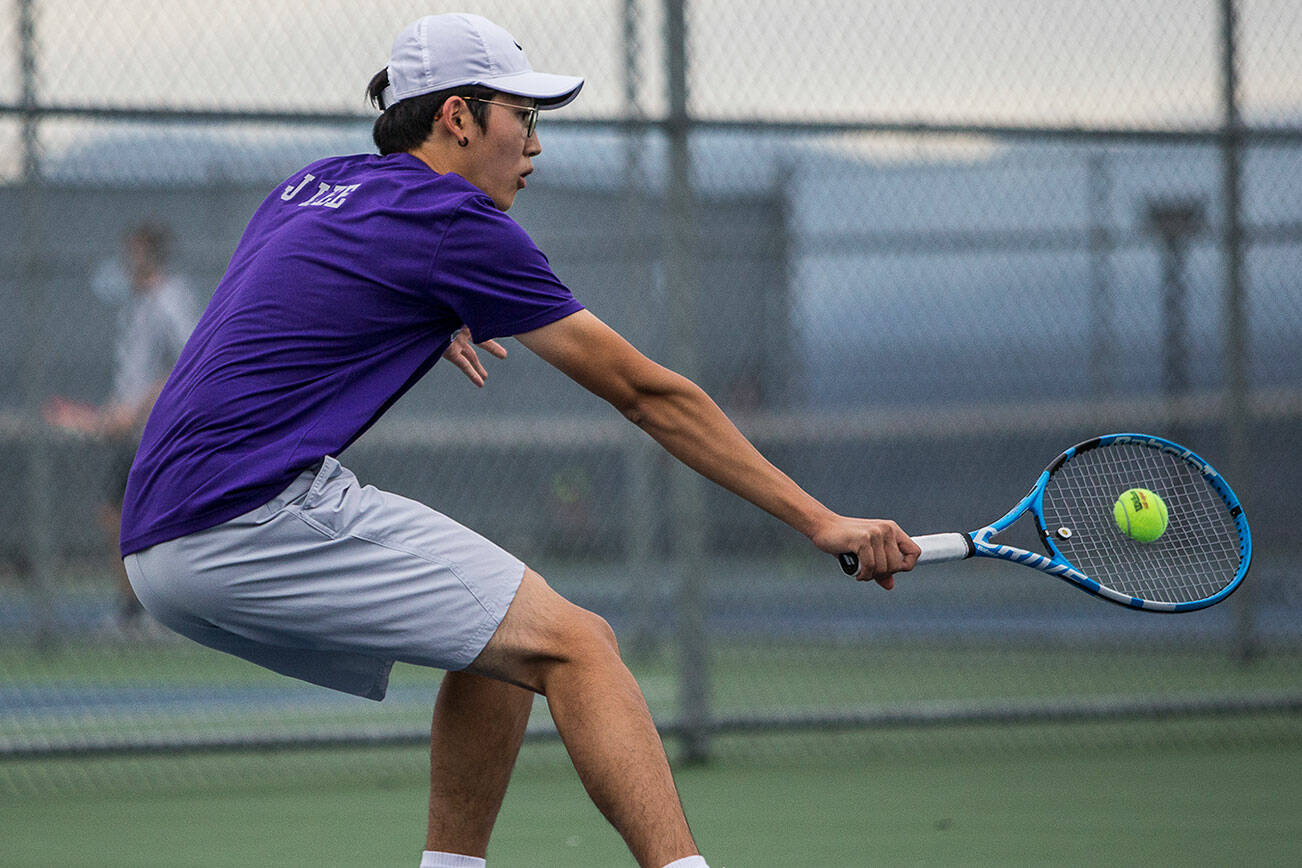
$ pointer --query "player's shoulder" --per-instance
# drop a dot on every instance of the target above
(480, 230)
(396, 184)
(401, 168)
(414, 185)
(337, 166)
(473, 207)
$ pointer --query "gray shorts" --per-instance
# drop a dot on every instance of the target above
(332, 582)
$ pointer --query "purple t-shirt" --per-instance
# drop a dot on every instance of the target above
(345, 289)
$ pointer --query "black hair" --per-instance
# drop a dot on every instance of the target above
(407, 123)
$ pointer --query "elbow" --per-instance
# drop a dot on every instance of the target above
(660, 404)
(640, 401)
(635, 408)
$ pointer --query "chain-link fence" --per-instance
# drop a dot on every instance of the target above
(915, 249)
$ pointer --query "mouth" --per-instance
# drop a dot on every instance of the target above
(523, 175)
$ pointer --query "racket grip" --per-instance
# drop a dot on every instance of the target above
(937, 548)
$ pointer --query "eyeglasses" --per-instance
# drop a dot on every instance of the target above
(528, 114)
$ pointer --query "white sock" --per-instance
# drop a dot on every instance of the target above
(688, 862)
(436, 859)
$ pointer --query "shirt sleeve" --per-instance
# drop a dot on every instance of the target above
(489, 271)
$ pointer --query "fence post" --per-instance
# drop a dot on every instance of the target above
(38, 548)
(687, 490)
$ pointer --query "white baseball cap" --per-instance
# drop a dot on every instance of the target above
(445, 51)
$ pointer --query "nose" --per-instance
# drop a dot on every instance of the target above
(532, 145)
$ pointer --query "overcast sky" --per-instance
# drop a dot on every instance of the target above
(1106, 62)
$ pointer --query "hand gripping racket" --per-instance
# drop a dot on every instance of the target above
(1199, 560)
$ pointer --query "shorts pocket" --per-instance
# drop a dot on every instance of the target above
(302, 514)
(329, 503)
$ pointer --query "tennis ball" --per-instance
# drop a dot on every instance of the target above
(1140, 514)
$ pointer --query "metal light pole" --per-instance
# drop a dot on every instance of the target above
(1103, 332)
(1235, 406)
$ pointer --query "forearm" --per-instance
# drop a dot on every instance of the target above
(683, 419)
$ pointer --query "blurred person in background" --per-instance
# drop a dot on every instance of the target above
(156, 314)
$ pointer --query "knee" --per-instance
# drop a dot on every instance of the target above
(544, 634)
(581, 646)
(585, 636)
(579, 643)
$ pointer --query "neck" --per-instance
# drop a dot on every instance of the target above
(442, 156)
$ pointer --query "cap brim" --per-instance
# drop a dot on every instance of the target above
(551, 91)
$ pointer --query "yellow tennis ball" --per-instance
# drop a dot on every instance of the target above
(1140, 514)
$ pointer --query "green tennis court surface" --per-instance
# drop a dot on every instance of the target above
(1165, 789)
(1094, 794)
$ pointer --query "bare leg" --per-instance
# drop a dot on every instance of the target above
(568, 654)
(478, 726)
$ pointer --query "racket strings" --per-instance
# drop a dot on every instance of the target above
(1196, 557)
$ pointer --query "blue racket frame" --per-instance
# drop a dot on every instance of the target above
(1058, 565)
(947, 547)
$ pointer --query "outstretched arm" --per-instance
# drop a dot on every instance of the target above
(691, 427)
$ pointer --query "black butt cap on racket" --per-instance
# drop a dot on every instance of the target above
(849, 563)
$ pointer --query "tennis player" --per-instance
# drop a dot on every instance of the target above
(242, 531)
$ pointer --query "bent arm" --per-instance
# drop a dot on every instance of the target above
(683, 419)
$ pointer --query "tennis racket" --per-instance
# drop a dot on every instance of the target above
(1199, 560)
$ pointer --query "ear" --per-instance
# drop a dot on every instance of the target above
(452, 116)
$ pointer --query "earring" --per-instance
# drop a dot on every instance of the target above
(463, 142)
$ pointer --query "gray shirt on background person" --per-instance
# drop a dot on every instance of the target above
(153, 326)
